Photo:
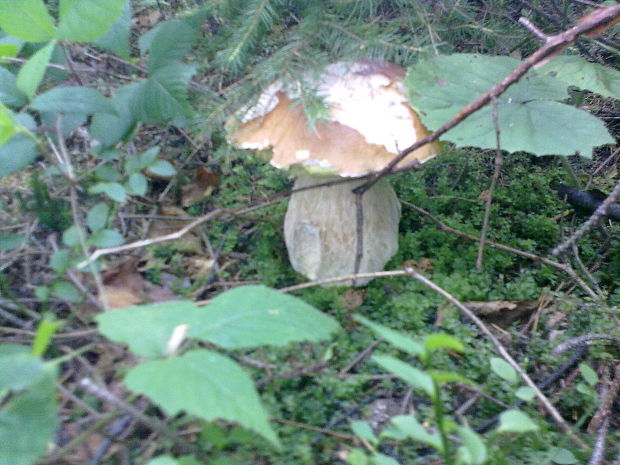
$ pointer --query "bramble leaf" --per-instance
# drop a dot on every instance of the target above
(213, 387)
(87, 20)
(27, 20)
(527, 112)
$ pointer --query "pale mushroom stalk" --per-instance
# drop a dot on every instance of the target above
(369, 119)
(320, 228)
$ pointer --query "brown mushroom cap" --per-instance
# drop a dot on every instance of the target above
(369, 121)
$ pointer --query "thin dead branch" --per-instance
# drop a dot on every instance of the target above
(562, 424)
(489, 199)
(603, 18)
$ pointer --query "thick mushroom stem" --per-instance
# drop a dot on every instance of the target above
(320, 228)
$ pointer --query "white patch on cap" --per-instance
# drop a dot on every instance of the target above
(266, 143)
(302, 154)
(266, 102)
(355, 100)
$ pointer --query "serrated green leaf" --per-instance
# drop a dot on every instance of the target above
(42, 293)
(28, 421)
(108, 128)
(250, 316)
(525, 393)
(137, 184)
(244, 317)
(106, 238)
(382, 459)
(97, 216)
(395, 338)
(473, 451)
(43, 336)
(107, 172)
(163, 460)
(503, 369)
(66, 291)
(213, 387)
(27, 20)
(18, 367)
(9, 93)
(60, 260)
(363, 430)
(7, 125)
(161, 168)
(116, 39)
(113, 190)
(69, 122)
(87, 20)
(414, 430)
(163, 96)
(575, 71)
(73, 99)
(437, 341)
(412, 375)
(148, 157)
(516, 421)
(357, 456)
(71, 237)
(10, 241)
(526, 112)
(170, 42)
(31, 73)
(562, 456)
(588, 374)
(20, 150)
(8, 51)
(442, 377)
(154, 322)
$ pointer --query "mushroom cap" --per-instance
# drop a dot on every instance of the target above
(369, 122)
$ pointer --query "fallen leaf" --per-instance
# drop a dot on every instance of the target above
(424, 265)
(353, 298)
(123, 285)
(202, 186)
(502, 312)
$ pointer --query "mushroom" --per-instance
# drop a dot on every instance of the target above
(369, 120)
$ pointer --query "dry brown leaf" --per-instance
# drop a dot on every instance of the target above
(202, 186)
(502, 312)
(353, 298)
(124, 286)
(424, 265)
(484, 195)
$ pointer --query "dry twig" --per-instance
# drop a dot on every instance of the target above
(489, 200)
(504, 353)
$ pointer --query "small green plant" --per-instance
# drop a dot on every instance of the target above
(213, 385)
(27, 398)
(472, 449)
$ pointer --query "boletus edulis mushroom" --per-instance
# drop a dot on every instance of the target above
(369, 120)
